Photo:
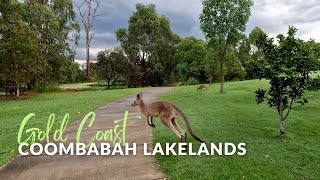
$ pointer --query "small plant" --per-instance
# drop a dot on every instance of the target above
(287, 65)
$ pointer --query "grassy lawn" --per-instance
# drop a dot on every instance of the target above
(100, 85)
(315, 75)
(235, 117)
(76, 104)
(76, 85)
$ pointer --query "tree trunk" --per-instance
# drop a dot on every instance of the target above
(282, 130)
(143, 81)
(108, 83)
(18, 89)
(127, 82)
(29, 86)
(88, 54)
(222, 75)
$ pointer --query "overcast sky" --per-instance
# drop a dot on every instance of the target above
(273, 16)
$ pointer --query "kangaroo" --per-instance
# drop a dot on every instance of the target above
(168, 113)
(201, 87)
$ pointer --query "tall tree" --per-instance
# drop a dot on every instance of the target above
(287, 65)
(246, 53)
(88, 11)
(19, 49)
(57, 30)
(253, 41)
(49, 28)
(223, 23)
(145, 42)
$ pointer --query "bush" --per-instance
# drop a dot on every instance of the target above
(47, 88)
(314, 85)
(191, 81)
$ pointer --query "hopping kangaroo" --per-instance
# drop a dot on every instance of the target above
(201, 87)
(168, 113)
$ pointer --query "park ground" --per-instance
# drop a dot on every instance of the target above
(235, 117)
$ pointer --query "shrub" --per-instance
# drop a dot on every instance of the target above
(314, 85)
(191, 81)
(47, 88)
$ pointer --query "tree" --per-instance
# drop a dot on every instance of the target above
(211, 65)
(57, 30)
(149, 44)
(253, 41)
(190, 56)
(254, 36)
(88, 13)
(223, 22)
(315, 47)
(42, 33)
(19, 49)
(75, 74)
(234, 69)
(287, 65)
(111, 64)
(249, 57)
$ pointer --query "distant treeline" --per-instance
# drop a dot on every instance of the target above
(36, 46)
(38, 40)
(151, 54)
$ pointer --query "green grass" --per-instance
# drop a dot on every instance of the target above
(76, 85)
(76, 104)
(315, 75)
(235, 117)
(96, 86)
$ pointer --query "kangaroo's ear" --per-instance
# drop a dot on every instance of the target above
(138, 96)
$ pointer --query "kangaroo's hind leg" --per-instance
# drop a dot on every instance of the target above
(176, 125)
(181, 137)
(167, 122)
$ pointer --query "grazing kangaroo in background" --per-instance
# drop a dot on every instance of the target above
(201, 87)
(168, 113)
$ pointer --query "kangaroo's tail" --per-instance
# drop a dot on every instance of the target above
(180, 113)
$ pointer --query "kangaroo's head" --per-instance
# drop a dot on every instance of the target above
(138, 101)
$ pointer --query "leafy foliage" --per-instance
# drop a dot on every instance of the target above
(150, 44)
(36, 42)
(287, 65)
(223, 23)
(112, 65)
(191, 55)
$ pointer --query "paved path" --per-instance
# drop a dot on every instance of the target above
(95, 167)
